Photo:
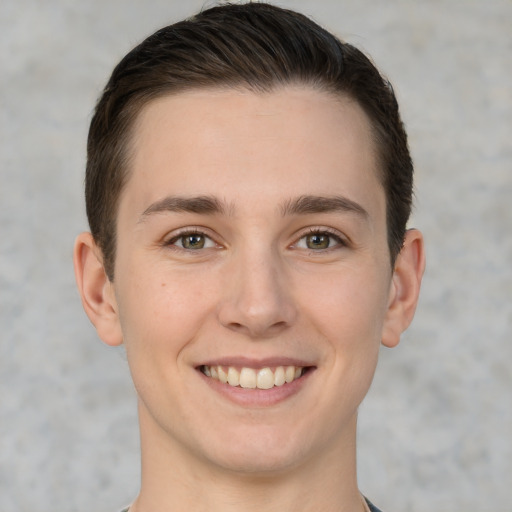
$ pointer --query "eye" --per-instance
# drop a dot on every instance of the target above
(319, 240)
(192, 241)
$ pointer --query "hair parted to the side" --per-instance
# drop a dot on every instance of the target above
(256, 46)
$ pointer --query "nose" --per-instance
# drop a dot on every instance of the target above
(257, 299)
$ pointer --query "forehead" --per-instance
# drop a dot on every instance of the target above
(295, 140)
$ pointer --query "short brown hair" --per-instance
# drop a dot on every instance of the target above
(256, 46)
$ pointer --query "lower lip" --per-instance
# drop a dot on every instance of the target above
(257, 397)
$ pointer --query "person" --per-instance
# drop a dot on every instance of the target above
(248, 187)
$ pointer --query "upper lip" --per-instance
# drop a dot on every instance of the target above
(266, 362)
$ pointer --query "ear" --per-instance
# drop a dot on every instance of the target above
(96, 290)
(405, 288)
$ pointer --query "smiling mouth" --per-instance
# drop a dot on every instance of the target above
(250, 378)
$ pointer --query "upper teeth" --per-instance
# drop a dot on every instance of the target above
(249, 378)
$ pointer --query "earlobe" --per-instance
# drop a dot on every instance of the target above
(96, 290)
(405, 288)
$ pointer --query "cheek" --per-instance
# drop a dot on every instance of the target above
(348, 308)
(163, 309)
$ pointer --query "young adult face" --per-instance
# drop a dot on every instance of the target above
(251, 238)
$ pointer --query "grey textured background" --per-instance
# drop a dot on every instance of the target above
(436, 429)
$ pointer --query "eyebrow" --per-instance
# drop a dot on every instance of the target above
(206, 205)
(210, 205)
(308, 204)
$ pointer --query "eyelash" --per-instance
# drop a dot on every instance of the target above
(339, 241)
(171, 243)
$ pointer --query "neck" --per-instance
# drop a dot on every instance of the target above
(175, 480)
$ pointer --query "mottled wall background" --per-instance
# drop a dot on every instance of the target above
(435, 431)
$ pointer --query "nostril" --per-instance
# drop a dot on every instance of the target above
(257, 330)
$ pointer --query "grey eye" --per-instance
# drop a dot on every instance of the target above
(193, 241)
(318, 241)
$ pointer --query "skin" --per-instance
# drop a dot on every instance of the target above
(262, 287)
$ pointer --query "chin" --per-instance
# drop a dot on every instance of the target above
(262, 453)
(258, 465)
